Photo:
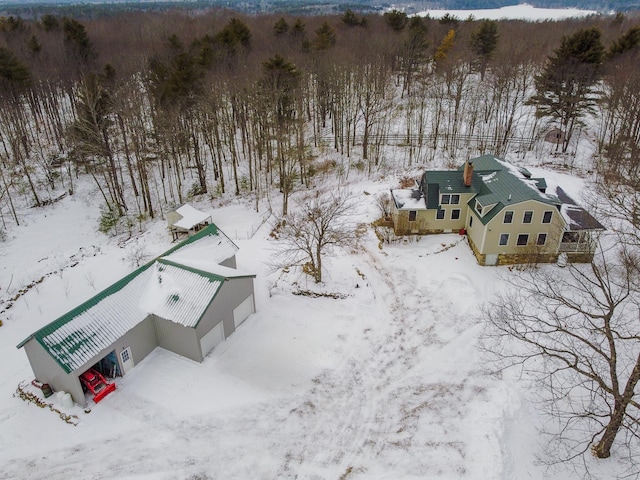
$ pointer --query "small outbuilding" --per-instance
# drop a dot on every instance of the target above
(186, 220)
(187, 301)
(555, 136)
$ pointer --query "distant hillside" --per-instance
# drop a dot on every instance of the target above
(93, 8)
(600, 5)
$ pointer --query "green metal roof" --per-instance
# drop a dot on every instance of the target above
(437, 182)
(168, 289)
(495, 181)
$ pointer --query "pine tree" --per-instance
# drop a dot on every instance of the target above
(281, 27)
(627, 42)
(325, 37)
(396, 19)
(483, 43)
(564, 89)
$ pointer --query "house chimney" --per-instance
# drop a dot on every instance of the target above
(467, 174)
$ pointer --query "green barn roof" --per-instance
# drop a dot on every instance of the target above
(164, 287)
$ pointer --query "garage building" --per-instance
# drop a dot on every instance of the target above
(187, 301)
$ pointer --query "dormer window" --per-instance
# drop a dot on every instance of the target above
(478, 207)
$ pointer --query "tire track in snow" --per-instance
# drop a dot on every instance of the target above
(360, 394)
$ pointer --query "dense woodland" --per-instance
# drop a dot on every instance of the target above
(161, 107)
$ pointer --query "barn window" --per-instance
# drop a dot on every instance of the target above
(412, 215)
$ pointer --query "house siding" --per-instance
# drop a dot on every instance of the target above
(496, 226)
(426, 221)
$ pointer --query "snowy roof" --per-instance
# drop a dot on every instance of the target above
(210, 244)
(190, 217)
(408, 199)
(178, 286)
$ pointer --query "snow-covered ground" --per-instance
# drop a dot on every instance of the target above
(386, 383)
(513, 12)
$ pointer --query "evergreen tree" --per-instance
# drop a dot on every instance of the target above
(349, 18)
(49, 22)
(281, 27)
(564, 89)
(77, 40)
(14, 75)
(627, 42)
(483, 43)
(396, 19)
(325, 37)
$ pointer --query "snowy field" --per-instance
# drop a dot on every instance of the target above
(513, 12)
(387, 383)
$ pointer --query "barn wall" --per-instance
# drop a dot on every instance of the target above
(142, 339)
(178, 339)
(47, 370)
(232, 293)
(229, 262)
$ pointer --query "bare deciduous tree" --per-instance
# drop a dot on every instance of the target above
(578, 333)
(319, 223)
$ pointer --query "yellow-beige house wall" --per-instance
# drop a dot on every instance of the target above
(426, 221)
(486, 239)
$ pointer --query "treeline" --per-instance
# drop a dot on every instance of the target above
(161, 107)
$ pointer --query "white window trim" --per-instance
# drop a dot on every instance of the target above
(518, 244)
(500, 238)
(504, 216)
(545, 239)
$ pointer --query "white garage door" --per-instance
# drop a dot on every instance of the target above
(211, 339)
(242, 311)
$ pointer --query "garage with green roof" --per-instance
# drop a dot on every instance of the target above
(187, 301)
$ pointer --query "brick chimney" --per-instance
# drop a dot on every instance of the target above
(467, 174)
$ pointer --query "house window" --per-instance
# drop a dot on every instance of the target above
(508, 216)
(455, 199)
(528, 216)
(455, 214)
(542, 239)
(504, 239)
(523, 239)
(440, 214)
(546, 218)
(446, 199)
(412, 215)
(478, 207)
